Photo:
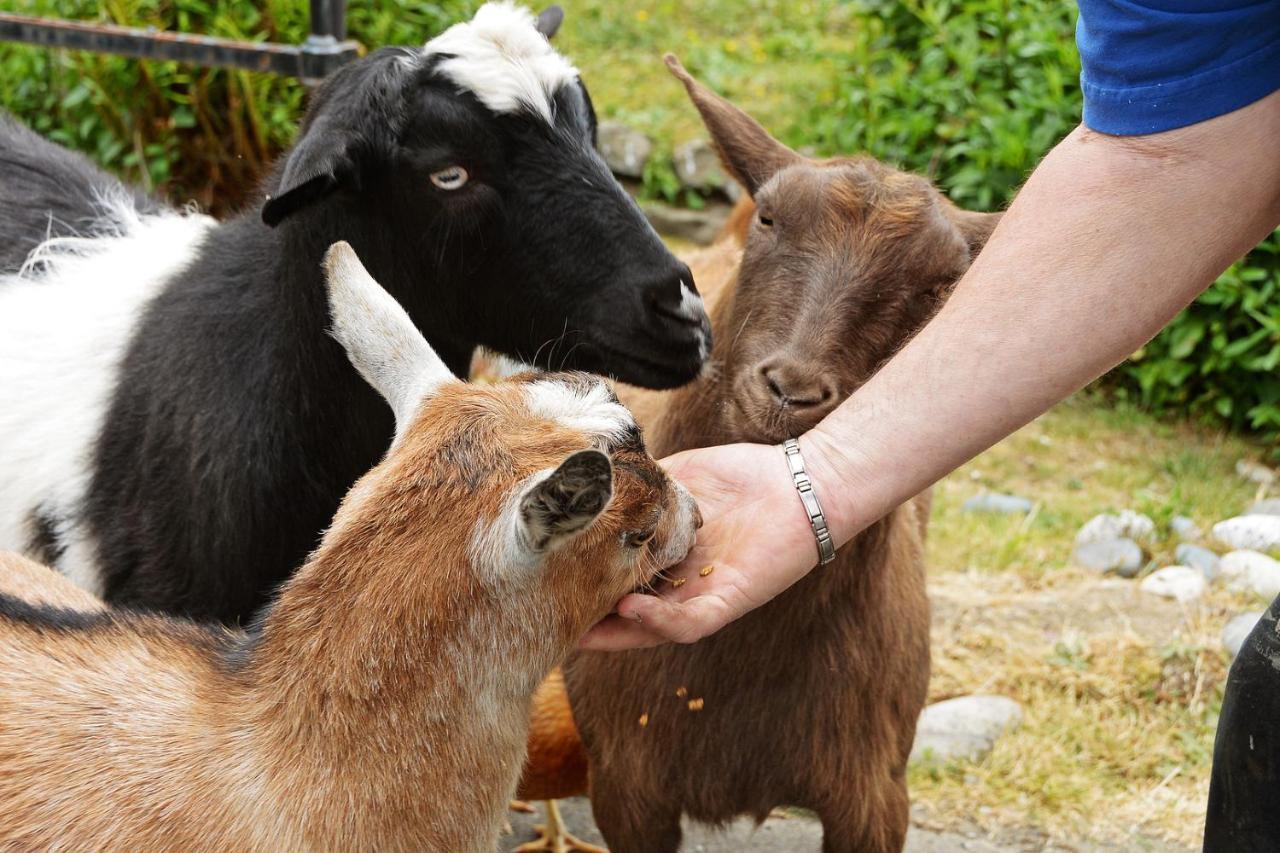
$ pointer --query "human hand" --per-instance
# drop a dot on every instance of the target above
(755, 537)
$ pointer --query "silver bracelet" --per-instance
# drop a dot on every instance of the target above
(808, 497)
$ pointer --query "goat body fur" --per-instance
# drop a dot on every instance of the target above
(382, 700)
(811, 699)
(175, 425)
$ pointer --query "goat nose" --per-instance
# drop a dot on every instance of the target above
(676, 296)
(792, 385)
(697, 518)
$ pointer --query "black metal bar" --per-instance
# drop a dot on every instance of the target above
(320, 54)
(329, 18)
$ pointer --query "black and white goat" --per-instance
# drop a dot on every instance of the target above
(175, 425)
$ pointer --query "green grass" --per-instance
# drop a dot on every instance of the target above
(775, 59)
(1082, 459)
(1121, 689)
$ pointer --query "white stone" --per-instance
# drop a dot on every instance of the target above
(1197, 557)
(698, 165)
(1255, 472)
(1184, 528)
(1252, 571)
(1255, 532)
(995, 502)
(1181, 583)
(963, 728)
(1125, 525)
(1237, 630)
(1122, 556)
(624, 149)
(1271, 506)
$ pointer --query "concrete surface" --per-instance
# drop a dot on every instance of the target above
(802, 834)
(776, 835)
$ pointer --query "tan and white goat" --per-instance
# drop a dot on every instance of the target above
(382, 701)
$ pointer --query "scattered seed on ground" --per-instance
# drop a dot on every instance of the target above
(682, 692)
(644, 720)
(695, 704)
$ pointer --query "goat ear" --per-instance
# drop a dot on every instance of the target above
(319, 164)
(974, 227)
(567, 501)
(747, 150)
(355, 112)
(549, 21)
(380, 339)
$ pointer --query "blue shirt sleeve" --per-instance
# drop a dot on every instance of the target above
(1153, 65)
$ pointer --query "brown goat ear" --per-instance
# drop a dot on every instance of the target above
(747, 150)
(974, 227)
(566, 501)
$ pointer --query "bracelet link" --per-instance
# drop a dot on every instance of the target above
(809, 499)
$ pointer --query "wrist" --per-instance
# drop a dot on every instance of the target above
(840, 481)
(814, 514)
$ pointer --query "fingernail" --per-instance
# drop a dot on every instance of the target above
(635, 615)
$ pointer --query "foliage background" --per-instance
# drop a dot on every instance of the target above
(969, 92)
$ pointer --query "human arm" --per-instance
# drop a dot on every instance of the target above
(1107, 241)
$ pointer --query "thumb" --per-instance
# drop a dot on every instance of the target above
(677, 622)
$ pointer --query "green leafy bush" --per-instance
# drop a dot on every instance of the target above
(203, 134)
(973, 93)
(1220, 359)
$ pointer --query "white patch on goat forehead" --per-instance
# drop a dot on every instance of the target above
(589, 408)
(501, 58)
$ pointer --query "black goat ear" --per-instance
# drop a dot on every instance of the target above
(321, 163)
(549, 21)
(567, 501)
(355, 113)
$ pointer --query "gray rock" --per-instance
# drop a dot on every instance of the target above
(1108, 526)
(1185, 529)
(696, 226)
(1181, 583)
(1235, 632)
(1197, 557)
(963, 728)
(1255, 472)
(999, 503)
(1252, 571)
(1121, 556)
(1255, 532)
(1271, 506)
(698, 166)
(625, 149)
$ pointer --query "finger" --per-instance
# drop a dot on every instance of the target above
(615, 634)
(676, 461)
(678, 622)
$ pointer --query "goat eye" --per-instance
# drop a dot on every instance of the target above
(638, 537)
(451, 178)
(766, 221)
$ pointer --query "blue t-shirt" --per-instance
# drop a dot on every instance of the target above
(1153, 65)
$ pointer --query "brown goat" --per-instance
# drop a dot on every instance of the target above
(812, 699)
(382, 703)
